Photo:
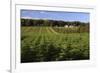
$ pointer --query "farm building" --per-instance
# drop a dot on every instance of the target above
(66, 26)
(70, 26)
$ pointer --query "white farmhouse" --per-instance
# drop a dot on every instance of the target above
(66, 26)
(71, 26)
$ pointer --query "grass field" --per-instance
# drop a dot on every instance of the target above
(39, 44)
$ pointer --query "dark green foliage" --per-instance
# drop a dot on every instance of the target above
(39, 44)
(54, 23)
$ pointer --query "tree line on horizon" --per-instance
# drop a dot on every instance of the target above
(41, 22)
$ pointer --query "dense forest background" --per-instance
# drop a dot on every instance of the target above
(41, 22)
